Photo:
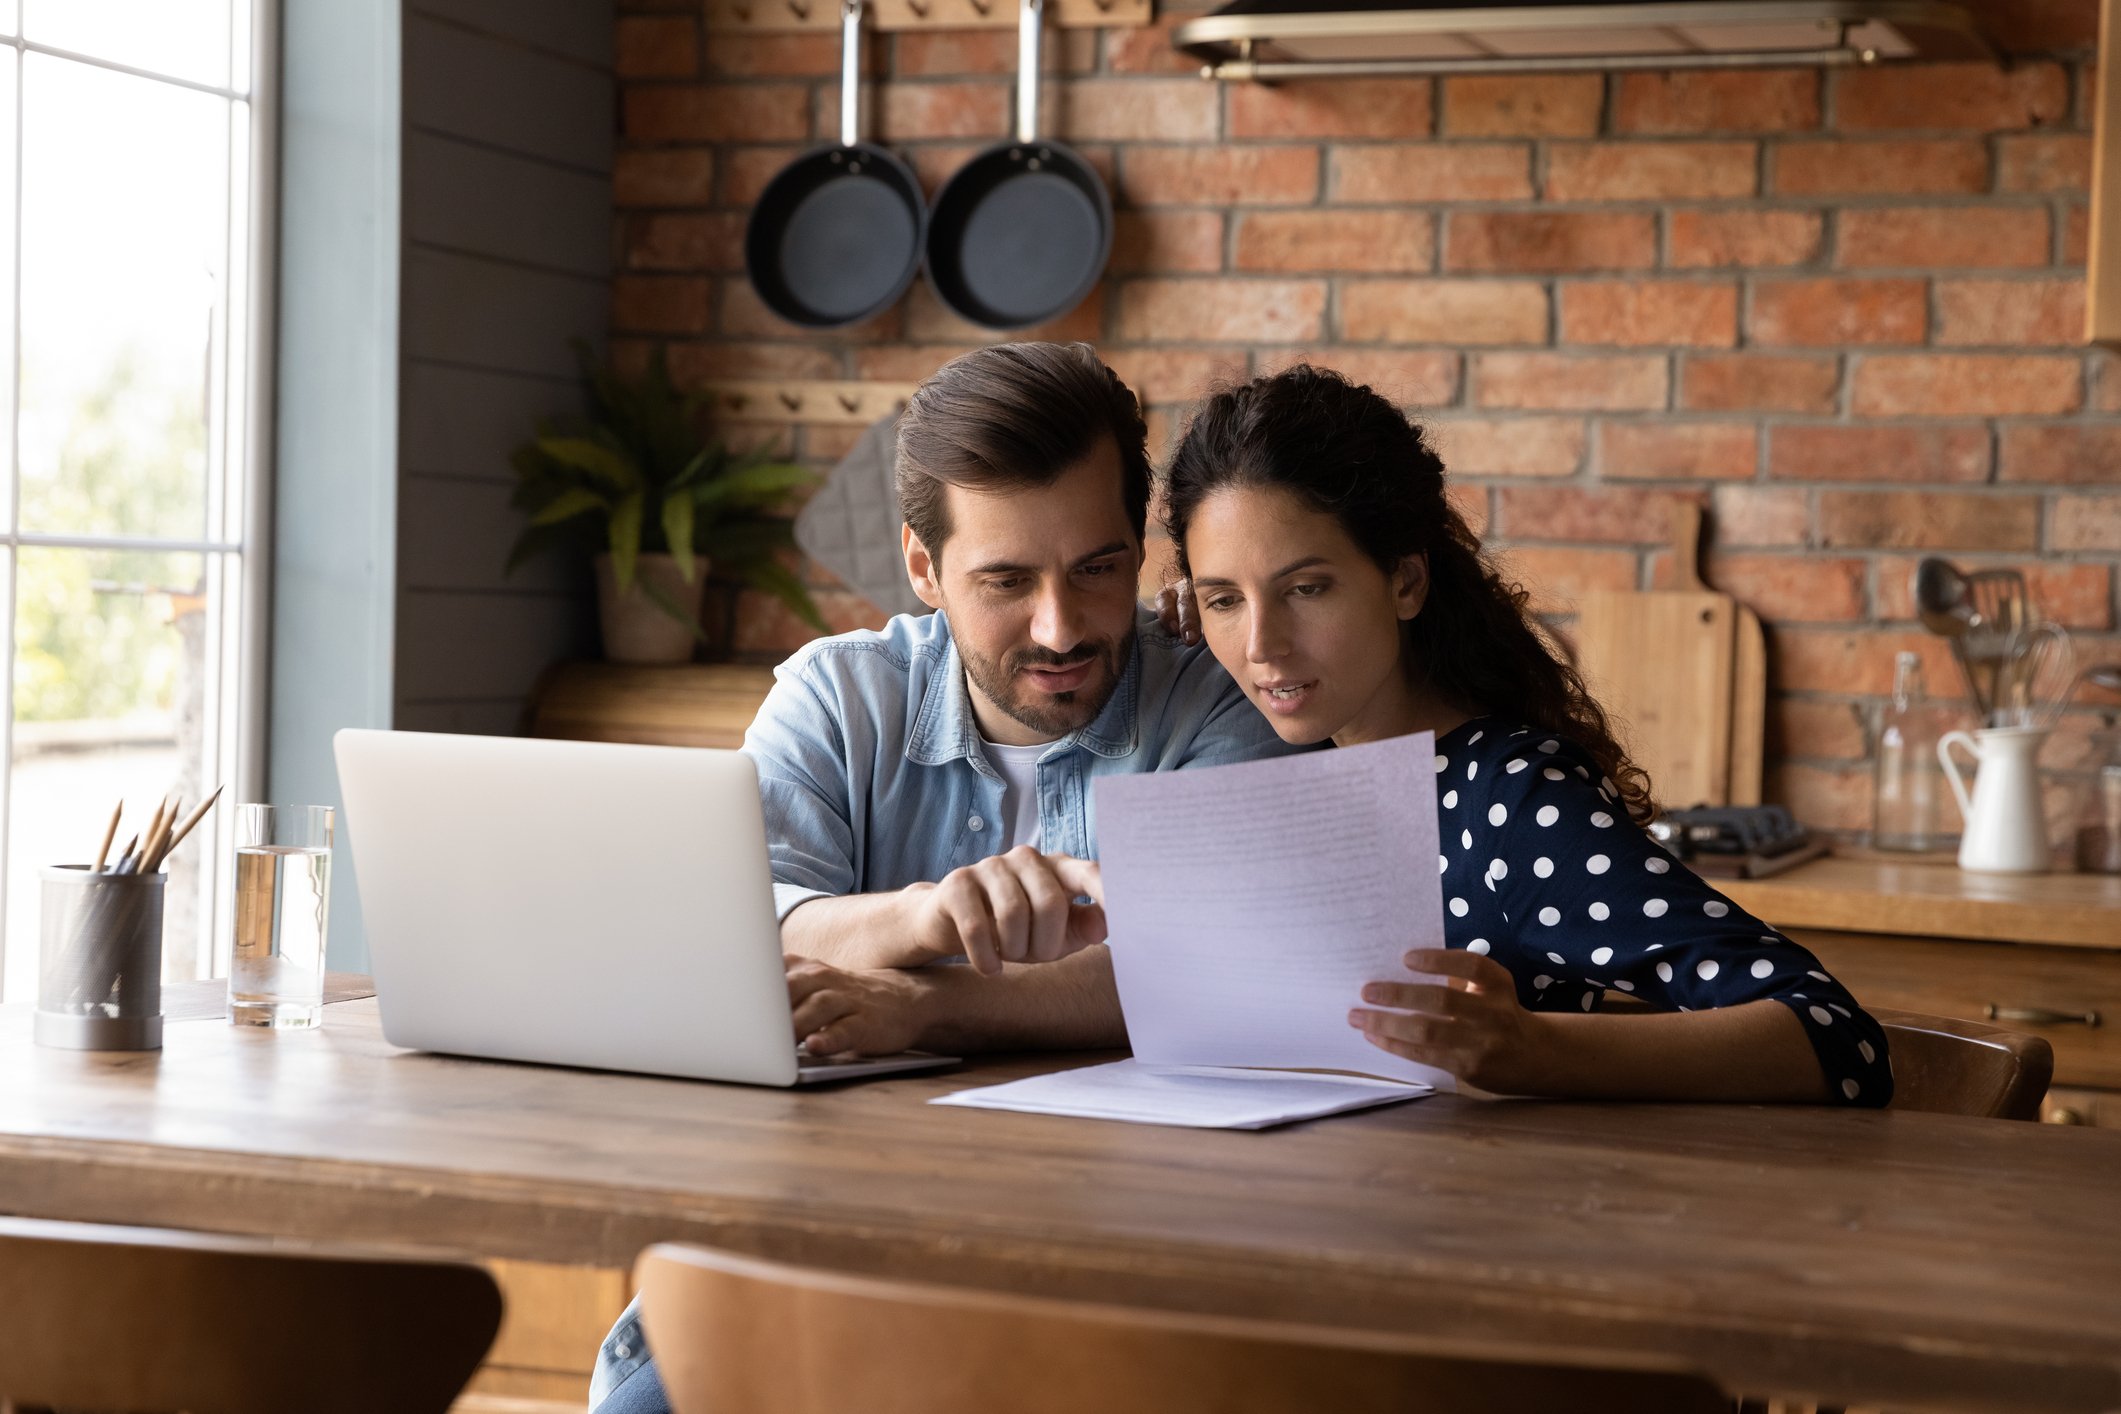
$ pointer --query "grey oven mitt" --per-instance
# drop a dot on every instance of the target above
(851, 523)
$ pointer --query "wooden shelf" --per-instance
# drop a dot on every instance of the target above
(1936, 900)
(684, 704)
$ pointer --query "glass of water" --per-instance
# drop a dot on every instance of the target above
(283, 900)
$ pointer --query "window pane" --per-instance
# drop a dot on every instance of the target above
(187, 38)
(124, 254)
(111, 685)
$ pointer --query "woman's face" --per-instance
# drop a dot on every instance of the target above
(1302, 619)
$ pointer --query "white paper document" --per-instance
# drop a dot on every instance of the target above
(1247, 906)
(1199, 1097)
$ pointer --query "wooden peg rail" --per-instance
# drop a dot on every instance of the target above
(791, 16)
(796, 400)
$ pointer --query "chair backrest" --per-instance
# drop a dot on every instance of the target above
(149, 1322)
(1942, 1065)
(733, 1335)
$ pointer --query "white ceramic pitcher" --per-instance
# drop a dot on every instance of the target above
(2006, 827)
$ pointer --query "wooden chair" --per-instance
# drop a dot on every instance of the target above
(733, 1335)
(148, 1321)
(1942, 1065)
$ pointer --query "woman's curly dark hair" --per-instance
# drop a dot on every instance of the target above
(1347, 451)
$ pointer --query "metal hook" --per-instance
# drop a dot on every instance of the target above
(791, 401)
(850, 405)
(800, 9)
(735, 401)
(983, 7)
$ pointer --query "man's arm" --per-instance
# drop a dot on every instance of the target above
(1013, 907)
(1066, 1005)
(856, 931)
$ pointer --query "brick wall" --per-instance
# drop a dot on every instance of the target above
(1841, 310)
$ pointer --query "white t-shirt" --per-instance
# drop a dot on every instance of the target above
(1019, 770)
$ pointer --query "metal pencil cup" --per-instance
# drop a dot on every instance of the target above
(100, 984)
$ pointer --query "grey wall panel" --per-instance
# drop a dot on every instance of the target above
(466, 311)
(456, 535)
(503, 717)
(464, 422)
(582, 32)
(473, 647)
(473, 87)
(478, 201)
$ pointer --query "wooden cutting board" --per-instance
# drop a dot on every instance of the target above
(1683, 672)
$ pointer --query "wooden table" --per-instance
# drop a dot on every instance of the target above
(1916, 1260)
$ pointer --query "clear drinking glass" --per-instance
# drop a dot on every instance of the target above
(283, 902)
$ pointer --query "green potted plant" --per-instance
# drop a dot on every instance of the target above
(643, 487)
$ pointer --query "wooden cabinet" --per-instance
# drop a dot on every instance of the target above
(689, 704)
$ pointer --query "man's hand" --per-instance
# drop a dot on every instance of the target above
(1179, 611)
(838, 1012)
(1014, 907)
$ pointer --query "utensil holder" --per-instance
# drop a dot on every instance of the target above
(100, 976)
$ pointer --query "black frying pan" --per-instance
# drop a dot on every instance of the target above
(836, 235)
(1020, 234)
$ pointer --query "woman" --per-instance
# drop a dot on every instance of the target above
(1335, 582)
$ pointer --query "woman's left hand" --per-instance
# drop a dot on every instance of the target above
(1473, 1027)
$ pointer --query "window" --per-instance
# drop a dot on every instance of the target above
(127, 283)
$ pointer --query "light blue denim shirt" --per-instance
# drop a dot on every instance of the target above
(874, 775)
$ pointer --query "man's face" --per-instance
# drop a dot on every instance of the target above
(1039, 584)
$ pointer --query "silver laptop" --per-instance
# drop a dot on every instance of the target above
(575, 903)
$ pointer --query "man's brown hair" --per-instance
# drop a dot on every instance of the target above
(1012, 416)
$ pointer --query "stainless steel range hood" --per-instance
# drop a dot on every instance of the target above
(1292, 39)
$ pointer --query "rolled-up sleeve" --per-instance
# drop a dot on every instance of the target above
(800, 750)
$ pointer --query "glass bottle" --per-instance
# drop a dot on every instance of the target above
(1905, 803)
(2098, 836)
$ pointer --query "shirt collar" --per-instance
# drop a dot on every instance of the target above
(944, 729)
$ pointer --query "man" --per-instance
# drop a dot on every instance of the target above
(927, 786)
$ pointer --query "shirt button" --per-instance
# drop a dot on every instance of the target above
(622, 1350)
(975, 824)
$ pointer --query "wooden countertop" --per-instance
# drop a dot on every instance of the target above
(1869, 894)
(1860, 1257)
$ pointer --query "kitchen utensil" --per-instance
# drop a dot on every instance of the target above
(1944, 602)
(2039, 653)
(1684, 679)
(2006, 829)
(836, 237)
(1020, 234)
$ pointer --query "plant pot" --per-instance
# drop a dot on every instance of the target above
(636, 628)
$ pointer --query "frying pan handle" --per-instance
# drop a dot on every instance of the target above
(1028, 25)
(850, 72)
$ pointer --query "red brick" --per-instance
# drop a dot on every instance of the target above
(2085, 523)
(2010, 311)
(1970, 97)
(1459, 312)
(744, 314)
(908, 112)
(1523, 105)
(657, 47)
(696, 365)
(782, 56)
(1146, 49)
(1830, 313)
(1858, 452)
(2044, 162)
(1651, 171)
(1852, 660)
(1336, 241)
(929, 322)
(1748, 382)
(1934, 236)
(905, 363)
(1807, 727)
(747, 170)
(1408, 378)
(1219, 176)
(1695, 313)
(1559, 576)
(654, 304)
(1471, 503)
(1136, 110)
(1783, 588)
(1820, 797)
(1760, 515)
(703, 241)
(1678, 451)
(935, 163)
(1717, 101)
(1616, 515)
(764, 625)
(2074, 454)
(670, 176)
(1222, 310)
(1927, 520)
(1453, 171)
(1163, 242)
(1569, 382)
(1887, 167)
(1564, 242)
(715, 113)
(1702, 239)
(1346, 108)
(1166, 375)
(1509, 446)
(2077, 596)
(1974, 385)
(2076, 234)
(966, 53)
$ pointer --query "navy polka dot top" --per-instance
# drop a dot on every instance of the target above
(1544, 872)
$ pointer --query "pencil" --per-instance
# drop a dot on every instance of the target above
(125, 858)
(152, 850)
(184, 829)
(110, 832)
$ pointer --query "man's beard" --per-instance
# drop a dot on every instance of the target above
(1053, 714)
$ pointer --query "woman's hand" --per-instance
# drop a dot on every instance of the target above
(1179, 610)
(1471, 1027)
